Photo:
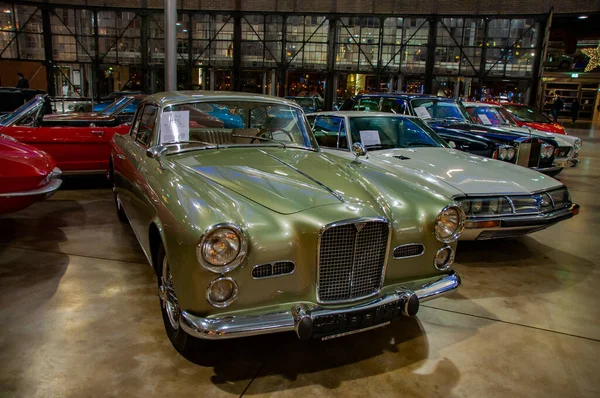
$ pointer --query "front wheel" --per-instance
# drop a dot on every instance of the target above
(169, 306)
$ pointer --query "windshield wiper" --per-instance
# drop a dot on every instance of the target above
(208, 145)
(253, 137)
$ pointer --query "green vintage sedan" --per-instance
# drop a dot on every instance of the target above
(255, 230)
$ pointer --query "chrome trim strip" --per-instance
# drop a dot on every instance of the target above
(345, 222)
(235, 326)
(408, 244)
(319, 183)
(47, 189)
(523, 217)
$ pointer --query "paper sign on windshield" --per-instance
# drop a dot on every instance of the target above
(421, 112)
(370, 137)
(175, 126)
(484, 119)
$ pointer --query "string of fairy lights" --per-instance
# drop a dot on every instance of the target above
(594, 55)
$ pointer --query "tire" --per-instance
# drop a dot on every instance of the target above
(118, 206)
(554, 173)
(169, 307)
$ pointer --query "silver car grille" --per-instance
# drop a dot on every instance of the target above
(352, 259)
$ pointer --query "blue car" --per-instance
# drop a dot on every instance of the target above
(112, 98)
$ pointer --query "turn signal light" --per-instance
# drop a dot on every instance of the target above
(482, 224)
(575, 209)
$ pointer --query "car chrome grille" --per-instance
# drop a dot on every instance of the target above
(352, 260)
(563, 151)
(273, 269)
(411, 250)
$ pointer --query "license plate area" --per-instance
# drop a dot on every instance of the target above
(328, 327)
(561, 163)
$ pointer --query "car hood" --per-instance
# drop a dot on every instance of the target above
(469, 174)
(22, 167)
(283, 180)
(549, 127)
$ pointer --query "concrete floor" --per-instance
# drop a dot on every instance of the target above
(79, 317)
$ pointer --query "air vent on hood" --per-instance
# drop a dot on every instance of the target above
(401, 157)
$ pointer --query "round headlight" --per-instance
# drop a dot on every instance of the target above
(493, 205)
(503, 153)
(444, 258)
(449, 224)
(221, 292)
(577, 144)
(511, 153)
(547, 150)
(222, 248)
(476, 205)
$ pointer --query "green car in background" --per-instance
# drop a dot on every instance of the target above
(255, 230)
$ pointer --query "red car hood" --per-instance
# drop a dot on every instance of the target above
(549, 127)
(22, 167)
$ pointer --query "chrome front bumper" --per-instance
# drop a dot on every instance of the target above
(514, 226)
(48, 190)
(306, 319)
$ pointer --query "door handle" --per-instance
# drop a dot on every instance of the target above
(99, 133)
(121, 156)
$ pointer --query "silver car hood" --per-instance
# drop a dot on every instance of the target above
(467, 173)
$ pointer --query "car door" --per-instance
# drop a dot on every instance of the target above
(142, 198)
(75, 148)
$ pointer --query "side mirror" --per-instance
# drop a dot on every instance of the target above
(156, 152)
(358, 150)
(452, 144)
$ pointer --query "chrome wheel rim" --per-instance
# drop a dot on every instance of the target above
(168, 297)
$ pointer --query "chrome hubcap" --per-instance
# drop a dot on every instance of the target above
(168, 297)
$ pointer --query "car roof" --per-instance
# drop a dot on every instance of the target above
(179, 97)
(401, 95)
(359, 114)
(481, 104)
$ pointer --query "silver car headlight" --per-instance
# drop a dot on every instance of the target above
(222, 248)
(511, 153)
(449, 223)
(577, 144)
(547, 150)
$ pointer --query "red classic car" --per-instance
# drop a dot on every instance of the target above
(26, 175)
(528, 116)
(76, 148)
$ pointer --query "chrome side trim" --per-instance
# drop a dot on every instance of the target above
(346, 222)
(235, 326)
(47, 189)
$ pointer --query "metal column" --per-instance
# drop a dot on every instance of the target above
(330, 82)
(430, 59)
(46, 28)
(237, 53)
(170, 45)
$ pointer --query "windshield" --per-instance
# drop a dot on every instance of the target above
(430, 108)
(490, 115)
(115, 105)
(305, 103)
(29, 107)
(235, 123)
(527, 114)
(393, 132)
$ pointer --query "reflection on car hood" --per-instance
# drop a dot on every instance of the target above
(283, 180)
(470, 174)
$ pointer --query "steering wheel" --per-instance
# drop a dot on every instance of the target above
(271, 133)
